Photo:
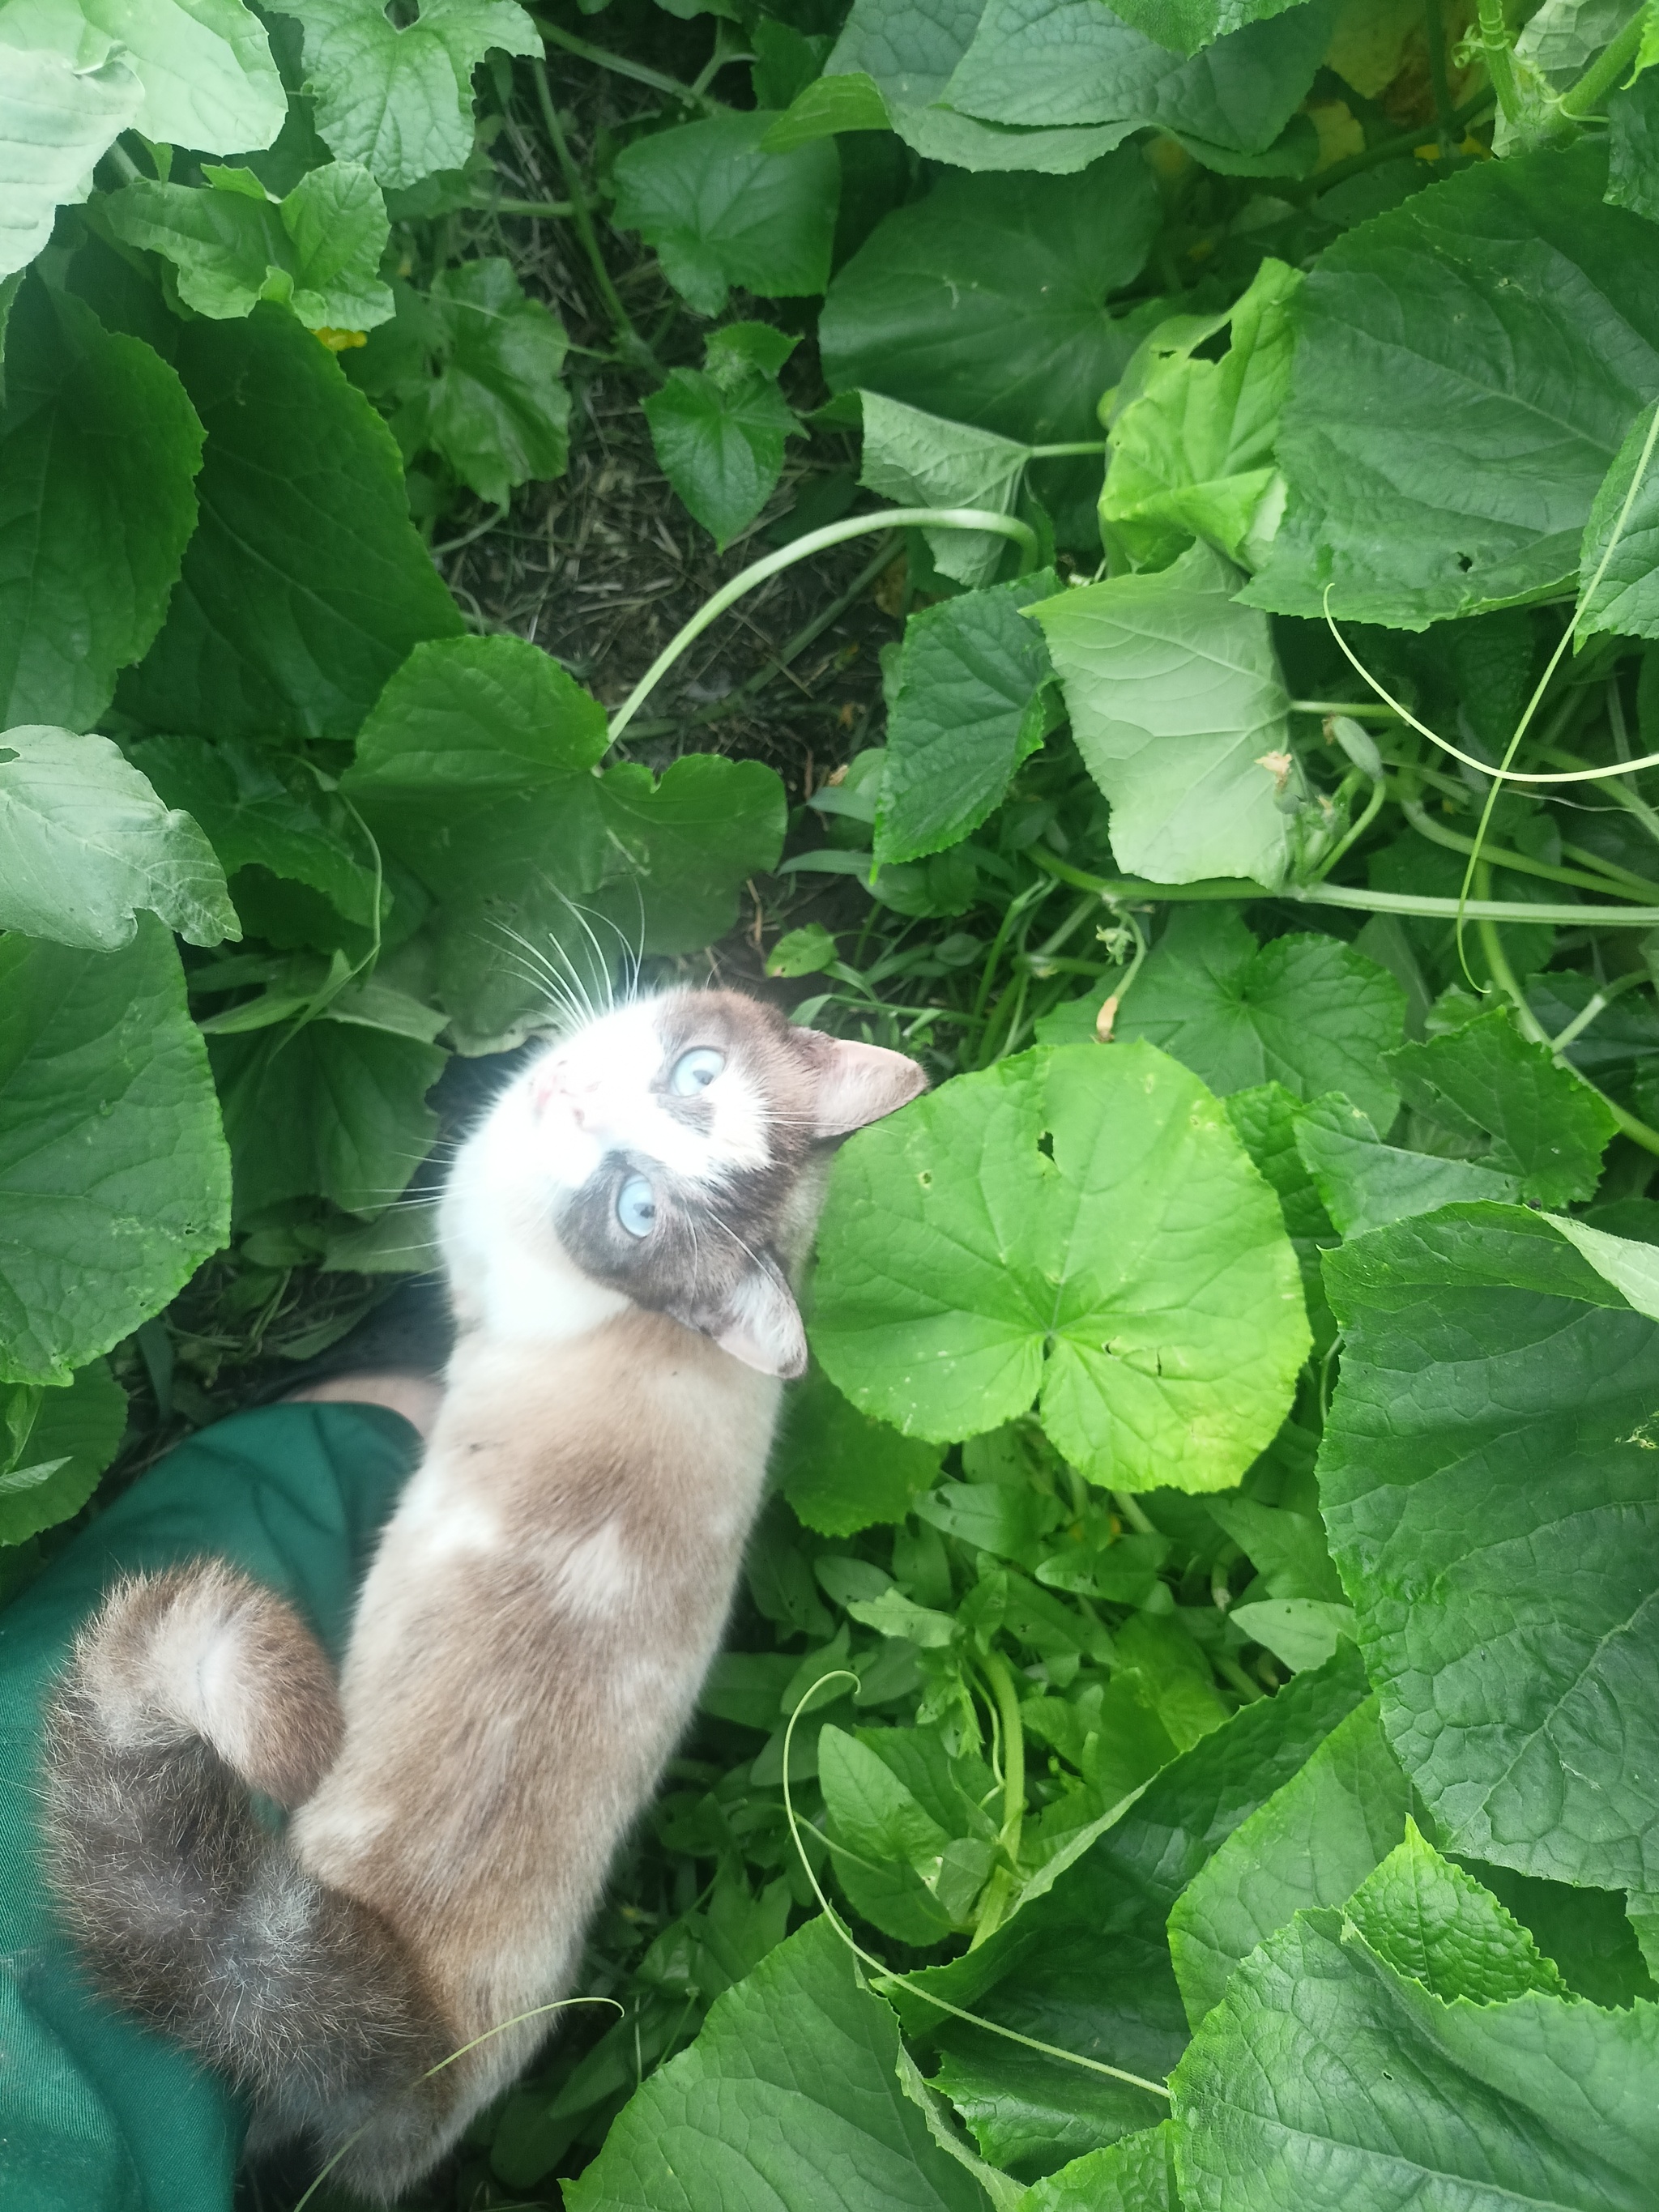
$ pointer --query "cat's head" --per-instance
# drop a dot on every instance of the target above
(671, 1147)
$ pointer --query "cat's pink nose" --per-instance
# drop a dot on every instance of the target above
(575, 1089)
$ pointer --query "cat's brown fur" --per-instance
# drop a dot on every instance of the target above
(530, 1641)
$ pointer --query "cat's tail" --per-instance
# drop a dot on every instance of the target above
(184, 1692)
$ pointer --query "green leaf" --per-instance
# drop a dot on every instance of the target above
(1186, 25)
(317, 252)
(1633, 147)
(475, 766)
(399, 100)
(85, 843)
(792, 2084)
(983, 303)
(114, 1183)
(684, 843)
(1490, 1486)
(187, 72)
(1486, 1081)
(1304, 1011)
(1175, 696)
(1429, 1919)
(1084, 1965)
(805, 951)
(99, 450)
(1056, 62)
(721, 445)
(1313, 1842)
(59, 118)
(721, 210)
(1266, 1118)
(1287, 1549)
(1619, 585)
(261, 809)
(919, 461)
(1325, 2079)
(970, 707)
(336, 1110)
(306, 584)
(826, 107)
(878, 1820)
(842, 1471)
(1193, 440)
(901, 55)
(1466, 367)
(1134, 2175)
(498, 412)
(1585, 1932)
(1133, 1268)
(75, 1435)
(1302, 1632)
(1365, 1184)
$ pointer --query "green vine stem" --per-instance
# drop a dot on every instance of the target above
(622, 322)
(1598, 1002)
(619, 66)
(1518, 863)
(1387, 149)
(1528, 1023)
(999, 1890)
(1116, 890)
(1580, 101)
(1494, 46)
(790, 650)
(802, 549)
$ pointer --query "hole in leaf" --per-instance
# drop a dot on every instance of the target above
(1045, 1145)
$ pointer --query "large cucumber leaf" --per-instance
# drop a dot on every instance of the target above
(99, 453)
(1077, 1222)
(114, 1179)
(791, 2097)
(1466, 368)
(85, 843)
(306, 584)
(1490, 1486)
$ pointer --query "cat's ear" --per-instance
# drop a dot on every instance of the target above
(760, 1323)
(858, 1083)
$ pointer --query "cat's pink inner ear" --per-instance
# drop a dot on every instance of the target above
(859, 1083)
(763, 1327)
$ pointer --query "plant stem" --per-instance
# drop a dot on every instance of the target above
(1529, 1025)
(1518, 863)
(1387, 149)
(619, 66)
(552, 210)
(1616, 789)
(1372, 808)
(1323, 706)
(1241, 889)
(1059, 453)
(815, 541)
(781, 659)
(1580, 101)
(1435, 32)
(627, 336)
(1131, 1509)
(1000, 1889)
(1500, 59)
(1598, 1003)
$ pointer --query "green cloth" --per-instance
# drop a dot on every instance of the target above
(97, 2114)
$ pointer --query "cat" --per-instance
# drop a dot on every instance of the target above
(618, 1234)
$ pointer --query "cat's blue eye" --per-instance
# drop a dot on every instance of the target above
(695, 1071)
(636, 1207)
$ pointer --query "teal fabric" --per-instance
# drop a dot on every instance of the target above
(96, 2113)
